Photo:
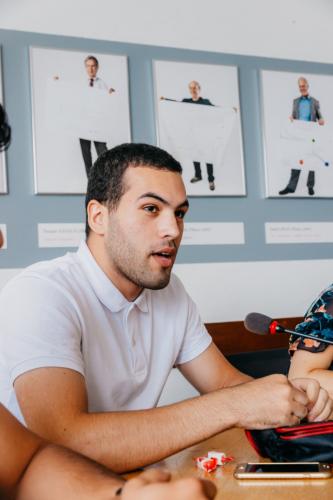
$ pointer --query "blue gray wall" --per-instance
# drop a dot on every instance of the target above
(22, 210)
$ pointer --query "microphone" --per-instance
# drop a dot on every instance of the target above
(264, 325)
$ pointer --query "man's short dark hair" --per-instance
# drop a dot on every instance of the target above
(93, 58)
(105, 182)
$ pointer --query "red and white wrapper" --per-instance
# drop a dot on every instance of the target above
(206, 464)
(220, 457)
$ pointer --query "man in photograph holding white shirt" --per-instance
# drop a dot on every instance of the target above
(305, 108)
(93, 81)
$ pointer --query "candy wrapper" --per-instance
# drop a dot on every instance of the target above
(206, 464)
(220, 457)
(210, 462)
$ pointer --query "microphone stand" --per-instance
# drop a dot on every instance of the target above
(274, 327)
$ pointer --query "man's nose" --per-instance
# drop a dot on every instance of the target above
(169, 227)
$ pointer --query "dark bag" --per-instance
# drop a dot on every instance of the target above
(309, 442)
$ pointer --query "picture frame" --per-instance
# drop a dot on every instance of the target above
(206, 139)
(80, 108)
(297, 117)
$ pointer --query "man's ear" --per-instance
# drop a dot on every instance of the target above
(97, 214)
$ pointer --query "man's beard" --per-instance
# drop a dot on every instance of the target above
(128, 264)
(146, 279)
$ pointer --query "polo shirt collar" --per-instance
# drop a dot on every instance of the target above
(103, 287)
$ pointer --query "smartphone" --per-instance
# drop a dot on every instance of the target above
(283, 470)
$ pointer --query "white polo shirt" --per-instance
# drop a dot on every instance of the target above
(67, 313)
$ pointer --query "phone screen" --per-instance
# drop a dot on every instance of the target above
(283, 467)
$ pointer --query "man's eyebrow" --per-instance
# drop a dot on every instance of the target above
(185, 203)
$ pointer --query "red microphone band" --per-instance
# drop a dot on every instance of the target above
(273, 327)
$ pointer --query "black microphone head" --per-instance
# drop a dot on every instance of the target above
(258, 323)
(5, 131)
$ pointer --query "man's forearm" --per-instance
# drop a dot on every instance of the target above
(124, 441)
(56, 473)
(127, 440)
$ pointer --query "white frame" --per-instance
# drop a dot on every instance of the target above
(283, 152)
(210, 76)
(43, 182)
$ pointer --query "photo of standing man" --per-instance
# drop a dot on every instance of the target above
(305, 108)
(80, 108)
(297, 134)
(93, 81)
(207, 139)
(195, 89)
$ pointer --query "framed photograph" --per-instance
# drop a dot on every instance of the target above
(80, 107)
(199, 123)
(3, 176)
(297, 111)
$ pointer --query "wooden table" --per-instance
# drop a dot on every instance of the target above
(234, 442)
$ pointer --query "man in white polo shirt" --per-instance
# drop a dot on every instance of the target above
(84, 362)
(31, 468)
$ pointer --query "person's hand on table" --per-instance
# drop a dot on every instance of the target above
(320, 404)
(154, 484)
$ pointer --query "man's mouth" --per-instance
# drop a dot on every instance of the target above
(165, 256)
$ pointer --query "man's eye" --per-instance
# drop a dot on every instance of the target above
(180, 214)
(150, 208)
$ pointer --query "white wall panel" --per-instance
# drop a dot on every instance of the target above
(289, 29)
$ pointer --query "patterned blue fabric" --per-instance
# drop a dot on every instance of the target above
(318, 322)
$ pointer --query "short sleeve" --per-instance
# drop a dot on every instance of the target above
(196, 339)
(318, 322)
(39, 327)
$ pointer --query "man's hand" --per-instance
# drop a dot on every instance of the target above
(320, 404)
(321, 121)
(268, 402)
(154, 483)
